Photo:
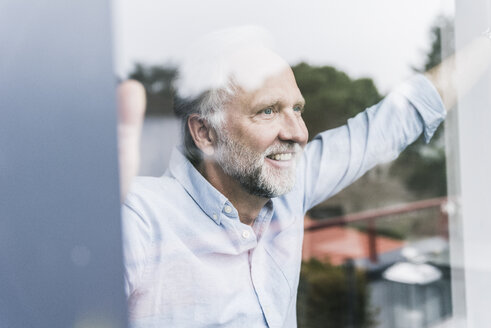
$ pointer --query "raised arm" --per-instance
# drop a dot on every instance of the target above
(473, 60)
(336, 158)
(131, 109)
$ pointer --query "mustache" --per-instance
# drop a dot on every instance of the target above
(294, 148)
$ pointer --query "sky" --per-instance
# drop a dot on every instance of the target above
(381, 39)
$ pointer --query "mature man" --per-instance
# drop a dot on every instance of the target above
(216, 241)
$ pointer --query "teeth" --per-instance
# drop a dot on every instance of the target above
(282, 157)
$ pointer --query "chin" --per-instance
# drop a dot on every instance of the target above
(266, 188)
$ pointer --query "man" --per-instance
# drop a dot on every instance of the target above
(216, 241)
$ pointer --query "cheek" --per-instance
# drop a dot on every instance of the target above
(256, 137)
(264, 138)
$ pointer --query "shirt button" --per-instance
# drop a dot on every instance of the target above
(245, 234)
(215, 216)
(228, 209)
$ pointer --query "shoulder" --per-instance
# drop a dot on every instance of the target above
(149, 196)
(148, 189)
(152, 209)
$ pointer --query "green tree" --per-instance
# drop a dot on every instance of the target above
(331, 96)
(422, 166)
(443, 28)
(333, 296)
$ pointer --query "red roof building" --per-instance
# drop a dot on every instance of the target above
(339, 243)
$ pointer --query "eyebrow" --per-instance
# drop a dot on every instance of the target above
(275, 102)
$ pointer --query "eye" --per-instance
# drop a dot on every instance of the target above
(267, 112)
(298, 108)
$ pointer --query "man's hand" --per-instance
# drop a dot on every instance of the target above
(131, 109)
(473, 61)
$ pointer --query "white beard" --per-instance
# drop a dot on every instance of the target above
(249, 168)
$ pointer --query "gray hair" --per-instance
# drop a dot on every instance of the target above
(208, 77)
(209, 105)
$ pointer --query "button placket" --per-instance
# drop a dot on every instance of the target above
(246, 234)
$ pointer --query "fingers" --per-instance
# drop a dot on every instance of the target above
(131, 102)
(131, 110)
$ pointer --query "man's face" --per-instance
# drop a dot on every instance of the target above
(263, 136)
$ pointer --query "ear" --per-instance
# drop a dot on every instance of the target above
(203, 135)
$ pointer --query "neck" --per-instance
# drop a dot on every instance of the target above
(247, 205)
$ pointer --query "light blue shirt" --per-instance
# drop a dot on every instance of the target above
(190, 262)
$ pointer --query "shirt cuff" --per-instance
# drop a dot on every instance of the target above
(422, 94)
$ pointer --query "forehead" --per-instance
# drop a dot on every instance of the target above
(277, 89)
(250, 67)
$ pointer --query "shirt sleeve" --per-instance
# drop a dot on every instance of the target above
(136, 233)
(336, 158)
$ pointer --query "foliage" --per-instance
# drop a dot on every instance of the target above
(333, 296)
(443, 28)
(422, 166)
(331, 96)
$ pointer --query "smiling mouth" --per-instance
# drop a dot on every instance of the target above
(281, 157)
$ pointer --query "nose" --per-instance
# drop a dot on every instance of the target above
(293, 128)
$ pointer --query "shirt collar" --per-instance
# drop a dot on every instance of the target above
(209, 199)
